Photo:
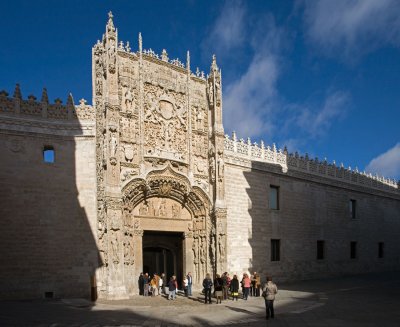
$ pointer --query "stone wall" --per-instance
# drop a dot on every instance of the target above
(47, 210)
(310, 209)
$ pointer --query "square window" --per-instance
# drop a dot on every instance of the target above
(352, 207)
(353, 250)
(275, 250)
(48, 154)
(274, 197)
(381, 247)
(320, 250)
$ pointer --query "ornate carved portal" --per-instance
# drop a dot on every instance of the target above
(166, 202)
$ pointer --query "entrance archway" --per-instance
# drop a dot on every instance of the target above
(162, 253)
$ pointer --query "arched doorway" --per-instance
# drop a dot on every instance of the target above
(166, 204)
(162, 253)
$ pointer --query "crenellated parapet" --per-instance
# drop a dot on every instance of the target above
(30, 107)
(292, 163)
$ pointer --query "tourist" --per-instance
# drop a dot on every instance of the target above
(269, 291)
(258, 285)
(242, 284)
(225, 285)
(218, 288)
(172, 289)
(160, 285)
(253, 285)
(154, 286)
(207, 284)
(141, 284)
(190, 283)
(246, 286)
(164, 283)
(234, 287)
(146, 284)
(185, 284)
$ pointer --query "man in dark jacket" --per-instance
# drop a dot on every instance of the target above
(141, 284)
(207, 284)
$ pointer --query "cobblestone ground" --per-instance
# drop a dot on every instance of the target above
(367, 300)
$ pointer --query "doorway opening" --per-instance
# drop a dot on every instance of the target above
(162, 253)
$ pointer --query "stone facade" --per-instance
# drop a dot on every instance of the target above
(150, 156)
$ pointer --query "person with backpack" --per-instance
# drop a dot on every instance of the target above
(207, 285)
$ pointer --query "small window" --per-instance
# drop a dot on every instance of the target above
(352, 205)
(320, 250)
(274, 197)
(275, 250)
(353, 250)
(48, 154)
(381, 246)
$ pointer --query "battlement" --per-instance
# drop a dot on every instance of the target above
(16, 105)
(304, 164)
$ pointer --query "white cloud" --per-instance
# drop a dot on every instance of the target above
(253, 106)
(386, 164)
(228, 30)
(352, 27)
(316, 123)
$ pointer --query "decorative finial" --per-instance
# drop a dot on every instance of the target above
(140, 43)
(45, 98)
(82, 102)
(214, 63)
(17, 92)
(70, 100)
(110, 24)
(164, 55)
(128, 47)
(188, 61)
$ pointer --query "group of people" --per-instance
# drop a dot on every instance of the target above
(223, 286)
(250, 286)
(157, 285)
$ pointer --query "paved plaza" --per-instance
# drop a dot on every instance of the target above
(366, 300)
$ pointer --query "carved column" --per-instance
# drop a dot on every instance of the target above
(221, 239)
(188, 259)
(138, 241)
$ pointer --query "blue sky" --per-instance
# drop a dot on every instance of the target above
(322, 77)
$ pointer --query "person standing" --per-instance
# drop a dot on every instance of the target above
(225, 285)
(154, 286)
(172, 289)
(234, 287)
(258, 285)
(253, 284)
(146, 284)
(185, 285)
(269, 291)
(190, 283)
(141, 284)
(246, 285)
(164, 283)
(218, 288)
(207, 284)
(160, 285)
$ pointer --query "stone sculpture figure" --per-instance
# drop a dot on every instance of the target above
(114, 247)
(128, 99)
(113, 145)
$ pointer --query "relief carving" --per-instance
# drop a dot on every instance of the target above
(114, 247)
(165, 123)
(162, 208)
